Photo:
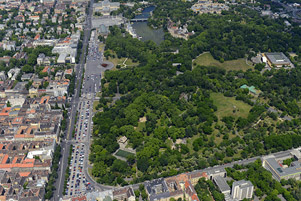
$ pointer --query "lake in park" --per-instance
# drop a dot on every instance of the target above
(146, 32)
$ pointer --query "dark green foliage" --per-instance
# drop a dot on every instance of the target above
(178, 105)
(52, 177)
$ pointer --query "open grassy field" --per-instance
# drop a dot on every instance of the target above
(101, 46)
(119, 61)
(207, 59)
(226, 105)
(95, 103)
(123, 153)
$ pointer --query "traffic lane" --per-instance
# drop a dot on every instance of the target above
(75, 184)
(86, 33)
(65, 152)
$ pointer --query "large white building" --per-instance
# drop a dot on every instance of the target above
(242, 189)
(105, 7)
(67, 50)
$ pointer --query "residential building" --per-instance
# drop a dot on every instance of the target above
(279, 171)
(2, 75)
(242, 189)
(122, 194)
(13, 73)
(216, 172)
(27, 76)
(67, 48)
(9, 45)
(222, 184)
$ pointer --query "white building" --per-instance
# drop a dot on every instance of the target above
(13, 73)
(242, 189)
(2, 76)
(9, 45)
(106, 7)
(67, 51)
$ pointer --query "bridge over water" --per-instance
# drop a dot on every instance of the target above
(139, 20)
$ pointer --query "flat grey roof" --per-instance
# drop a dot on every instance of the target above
(277, 58)
(215, 171)
(242, 183)
(221, 183)
(295, 168)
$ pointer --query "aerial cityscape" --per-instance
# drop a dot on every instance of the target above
(174, 100)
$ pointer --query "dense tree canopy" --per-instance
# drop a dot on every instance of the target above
(161, 103)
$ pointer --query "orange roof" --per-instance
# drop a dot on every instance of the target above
(61, 97)
(69, 71)
(37, 37)
(194, 197)
(17, 120)
(24, 163)
(5, 111)
(187, 184)
(32, 111)
(45, 69)
(24, 174)
(44, 99)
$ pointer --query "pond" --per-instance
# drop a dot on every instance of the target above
(144, 31)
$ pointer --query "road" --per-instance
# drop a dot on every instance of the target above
(93, 71)
(79, 181)
(65, 144)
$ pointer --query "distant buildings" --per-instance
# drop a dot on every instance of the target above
(105, 7)
(179, 32)
(107, 21)
(209, 7)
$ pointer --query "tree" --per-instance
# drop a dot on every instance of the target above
(142, 164)
(131, 159)
(8, 104)
(28, 68)
(99, 169)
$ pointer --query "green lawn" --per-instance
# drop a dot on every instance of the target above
(123, 153)
(206, 59)
(95, 103)
(226, 105)
(119, 61)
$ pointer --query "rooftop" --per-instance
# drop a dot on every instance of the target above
(277, 58)
(221, 183)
